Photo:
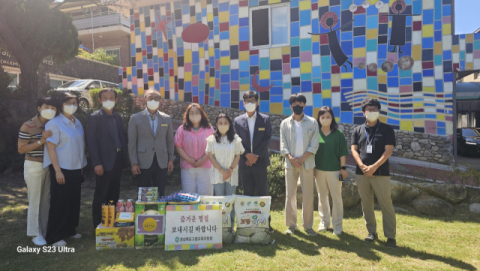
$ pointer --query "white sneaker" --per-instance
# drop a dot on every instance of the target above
(76, 236)
(337, 233)
(39, 240)
(322, 228)
(60, 243)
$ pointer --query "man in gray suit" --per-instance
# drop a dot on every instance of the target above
(255, 130)
(150, 144)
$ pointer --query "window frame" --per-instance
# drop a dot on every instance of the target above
(269, 7)
(113, 49)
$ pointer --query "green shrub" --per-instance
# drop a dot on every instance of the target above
(276, 176)
(100, 55)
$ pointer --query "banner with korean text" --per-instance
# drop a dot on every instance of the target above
(191, 227)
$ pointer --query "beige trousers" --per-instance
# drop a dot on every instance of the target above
(38, 186)
(306, 179)
(327, 182)
(381, 188)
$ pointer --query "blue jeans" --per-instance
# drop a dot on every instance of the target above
(225, 189)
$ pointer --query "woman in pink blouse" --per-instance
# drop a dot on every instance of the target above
(191, 142)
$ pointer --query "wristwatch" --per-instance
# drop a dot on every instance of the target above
(344, 168)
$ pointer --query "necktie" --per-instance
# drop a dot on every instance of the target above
(152, 117)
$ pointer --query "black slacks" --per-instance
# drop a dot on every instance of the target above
(153, 177)
(64, 213)
(107, 188)
(254, 178)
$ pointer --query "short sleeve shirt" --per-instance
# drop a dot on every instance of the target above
(69, 141)
(382, 135)
(31, 131)
(330, 149)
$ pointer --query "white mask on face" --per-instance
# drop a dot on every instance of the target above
(195, 118)
(48, 113)
(70, 109)
(108, 104)
(223, 129)
(153, 105)
(250, 107)
(372, 116)
(326, 122)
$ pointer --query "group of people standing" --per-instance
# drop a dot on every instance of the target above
(213, 160)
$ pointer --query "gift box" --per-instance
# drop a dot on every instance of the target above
(114, 237)
(149, 224)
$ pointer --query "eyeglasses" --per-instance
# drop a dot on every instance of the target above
(155, 98)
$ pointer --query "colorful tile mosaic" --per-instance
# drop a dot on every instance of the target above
(340, 51)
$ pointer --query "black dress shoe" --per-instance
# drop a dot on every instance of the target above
(371, 237)
(391, 243)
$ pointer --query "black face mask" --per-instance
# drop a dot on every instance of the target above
(298, 109)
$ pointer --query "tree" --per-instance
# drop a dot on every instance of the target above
(32, 31)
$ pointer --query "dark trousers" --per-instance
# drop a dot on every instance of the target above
(254, 178)
(107, 188)
(153, 177)
(64, 213)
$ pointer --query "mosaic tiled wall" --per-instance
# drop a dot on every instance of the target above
(402, 52)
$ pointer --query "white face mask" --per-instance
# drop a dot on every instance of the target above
(372, 116)
(108, 104)
(153, 105)
(223, 129)
(326, 122)
(195, 118)
(48, 113)
(70, 109)
(250, 107)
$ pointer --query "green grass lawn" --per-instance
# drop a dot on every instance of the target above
(423, 243)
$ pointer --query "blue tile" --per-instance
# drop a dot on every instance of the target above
(392, 82)
(295, 29)
(306, 86)
(305, 17)
(295, 62)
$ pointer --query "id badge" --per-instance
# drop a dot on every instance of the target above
(369, 148)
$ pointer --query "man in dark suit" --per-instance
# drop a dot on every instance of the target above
(255, 130)
(107, 144)
(151, 144)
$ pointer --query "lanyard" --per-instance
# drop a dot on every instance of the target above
(369, 142)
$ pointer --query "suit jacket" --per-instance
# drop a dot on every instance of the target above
(261, 138)
(142, 145)
(101, 144)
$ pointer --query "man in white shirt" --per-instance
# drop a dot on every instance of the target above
(255, 130)
(299, 143)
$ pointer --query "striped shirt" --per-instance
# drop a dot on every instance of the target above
(30, 132)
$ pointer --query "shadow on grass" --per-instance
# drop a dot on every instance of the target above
(365, 250)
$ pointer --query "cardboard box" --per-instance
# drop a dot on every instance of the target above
(114, 237)
(149, 224)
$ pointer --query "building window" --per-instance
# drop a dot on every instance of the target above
(115, 51)
(55, 83)
(270, 26)
(14, 82)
